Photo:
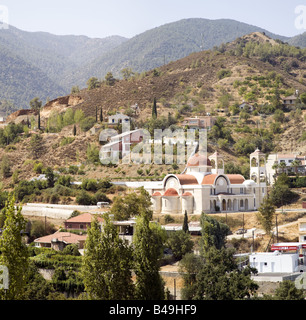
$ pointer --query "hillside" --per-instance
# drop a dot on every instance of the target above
(214, 81)
(166, 43)
(70, 60)
(39, 63)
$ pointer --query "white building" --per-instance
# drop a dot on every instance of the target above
(118, 118)
(203, 186)
(270, 262)
(276, 159)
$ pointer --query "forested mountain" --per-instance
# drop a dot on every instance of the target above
(166, 43)
(46, 65)
(39, 64)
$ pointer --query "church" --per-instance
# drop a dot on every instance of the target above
(204, 187)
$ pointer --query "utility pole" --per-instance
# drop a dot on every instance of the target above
(243, 225)
(276, 228)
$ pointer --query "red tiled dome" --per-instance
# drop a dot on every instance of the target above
(171, 193)
(198, 160)
(187, 194)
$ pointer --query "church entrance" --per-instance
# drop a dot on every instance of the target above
(223, 205)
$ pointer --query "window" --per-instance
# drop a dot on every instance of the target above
(241, 203)
(81, 226)
(265, 263)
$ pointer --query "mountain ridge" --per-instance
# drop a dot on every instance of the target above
(71, 60)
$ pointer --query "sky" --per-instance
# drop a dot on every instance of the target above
(127, 18)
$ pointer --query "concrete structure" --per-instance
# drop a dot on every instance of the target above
(270, 262)
(302, 229)
(126, 230)
(246, 106)
(120, 145)
(278, 163)
(199, 122)
(203, 186)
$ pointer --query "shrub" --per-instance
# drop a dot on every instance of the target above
(87, 123)
(223, 73)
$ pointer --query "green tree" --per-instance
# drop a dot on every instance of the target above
(101, 115)
(213, 233)
(221, 279)
(185, 222)
(93, 83)
(5, 167)
(180, 243)
(154, 109)
(36, 145)
(35, 104)
(50, 176)
(266, 214)
(109, 78)
(127, 73)
(106, 264)
(14, 253)
(148, 245)
(132, 205)
(288, 291)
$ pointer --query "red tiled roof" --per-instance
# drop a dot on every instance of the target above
(66, 237)
(186, 179)
(235, 178)
(171, 193)
(209, 179)
(198, 160)
(85, 218)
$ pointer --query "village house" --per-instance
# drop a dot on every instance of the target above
(59, 240)
(118, 118)
(205, 122)
(203, 186)
(120, 145)
(291, 101)
(246, 106)
(81, 222)
(275, 161)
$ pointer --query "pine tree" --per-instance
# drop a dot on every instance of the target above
(14, 253)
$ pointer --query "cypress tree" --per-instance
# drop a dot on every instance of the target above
(101, 115)
(154, 109)
(185, 223)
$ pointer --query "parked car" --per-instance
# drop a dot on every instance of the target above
(241, 231)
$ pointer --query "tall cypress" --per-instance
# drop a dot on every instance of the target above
(154, 109)
(185, 223)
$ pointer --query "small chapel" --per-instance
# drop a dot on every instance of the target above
(204, 187)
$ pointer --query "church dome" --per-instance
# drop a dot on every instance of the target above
(187, 194)
(198, 161)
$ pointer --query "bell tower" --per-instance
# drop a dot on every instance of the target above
(258, 166)
(217, 162)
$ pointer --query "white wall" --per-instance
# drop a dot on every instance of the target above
(267, 262)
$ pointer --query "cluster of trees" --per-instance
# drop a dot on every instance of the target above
(105, 270)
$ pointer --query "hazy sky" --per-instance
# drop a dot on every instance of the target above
(100, 18)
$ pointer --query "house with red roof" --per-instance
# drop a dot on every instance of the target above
(81, 222)
(203, 186)
(59, 240)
